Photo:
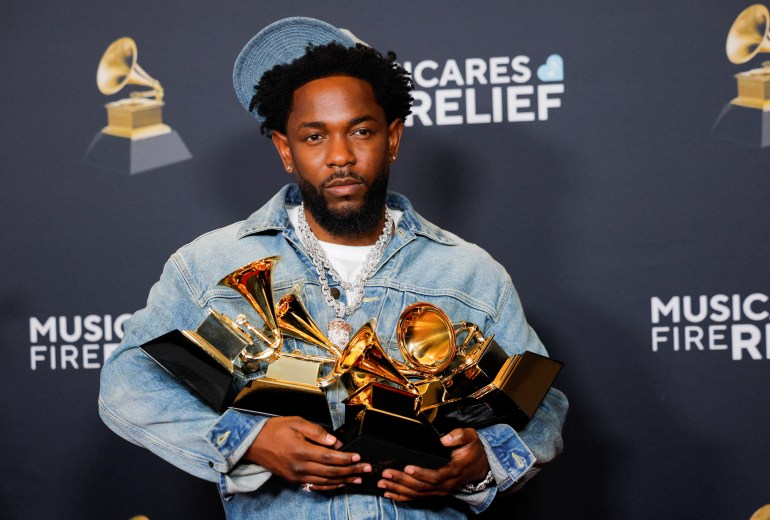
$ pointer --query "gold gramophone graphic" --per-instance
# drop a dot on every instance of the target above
(135, 138)
(746, 118)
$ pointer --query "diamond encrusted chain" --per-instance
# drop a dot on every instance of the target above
(322, 264)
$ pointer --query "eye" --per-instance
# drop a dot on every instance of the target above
(313, 138)
(365, 132)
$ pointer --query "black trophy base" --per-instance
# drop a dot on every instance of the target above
(385, 440)
(123, 155)
(512, 398)
(489, 363)
(282, 398)
(190, 365)
(743, 125)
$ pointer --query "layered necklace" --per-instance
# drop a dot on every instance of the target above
(339, 329)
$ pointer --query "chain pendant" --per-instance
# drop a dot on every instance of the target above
(339, 333)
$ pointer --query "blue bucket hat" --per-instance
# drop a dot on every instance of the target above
(281, 42)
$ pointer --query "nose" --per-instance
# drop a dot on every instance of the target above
(339, 153)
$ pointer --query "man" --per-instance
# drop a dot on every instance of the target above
(335, 111)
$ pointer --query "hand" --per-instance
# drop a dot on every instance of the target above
(303, 452)
(468, 464)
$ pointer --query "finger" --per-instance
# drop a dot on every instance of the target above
(329, 457)
(397, 497)
(337, 474)
(314, 432)
(432, 477)
(319, 487)
(459, 437)
(325, 484)
(404, 484)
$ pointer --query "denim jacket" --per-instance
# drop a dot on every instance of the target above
(422, 262)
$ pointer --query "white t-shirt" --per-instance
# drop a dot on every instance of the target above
(346, 260)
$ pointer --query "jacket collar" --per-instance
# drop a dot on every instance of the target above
(272, 217)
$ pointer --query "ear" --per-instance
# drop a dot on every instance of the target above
(281, 143)
(395, 129)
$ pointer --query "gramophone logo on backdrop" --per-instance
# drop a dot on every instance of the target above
(485, 90)
(135, 138)
(746, 119)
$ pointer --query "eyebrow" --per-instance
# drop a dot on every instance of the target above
(321, 124)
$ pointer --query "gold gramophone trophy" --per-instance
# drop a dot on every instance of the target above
(383, 420)
(217, 359)
(746, 119)
(473, 384)
(135, 138)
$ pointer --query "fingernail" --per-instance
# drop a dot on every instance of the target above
(409, 470)
(381, 484)
(357, 480)
(330, 438)
(356, 457)
(367, 468)
(386, 475)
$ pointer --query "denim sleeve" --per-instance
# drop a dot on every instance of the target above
(147, 406)
(515, 457)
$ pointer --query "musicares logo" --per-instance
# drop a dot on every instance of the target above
(499, 89)
(732, 323)
(73, 342)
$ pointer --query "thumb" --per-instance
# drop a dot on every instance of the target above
(314, 433)
(454, 438)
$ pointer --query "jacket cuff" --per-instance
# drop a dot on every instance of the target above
(509, 460)
(231, 436)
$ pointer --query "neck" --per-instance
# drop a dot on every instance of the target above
(366, 239)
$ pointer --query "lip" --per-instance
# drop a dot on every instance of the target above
(345, 187)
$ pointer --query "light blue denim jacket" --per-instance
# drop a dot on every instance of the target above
(422, 262)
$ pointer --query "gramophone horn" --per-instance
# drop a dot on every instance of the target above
(118, 68)
(254, 282)
(294, 320)
(426, 338)
(749, 35)
(365, 361)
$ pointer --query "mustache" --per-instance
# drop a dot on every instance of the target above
(343, 174)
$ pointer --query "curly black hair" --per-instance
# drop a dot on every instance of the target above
(390, 83)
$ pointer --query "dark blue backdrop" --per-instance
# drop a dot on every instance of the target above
(618, 202)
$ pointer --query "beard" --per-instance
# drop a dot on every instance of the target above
(349, 222)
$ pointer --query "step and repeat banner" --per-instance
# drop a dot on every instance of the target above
(614, 157)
